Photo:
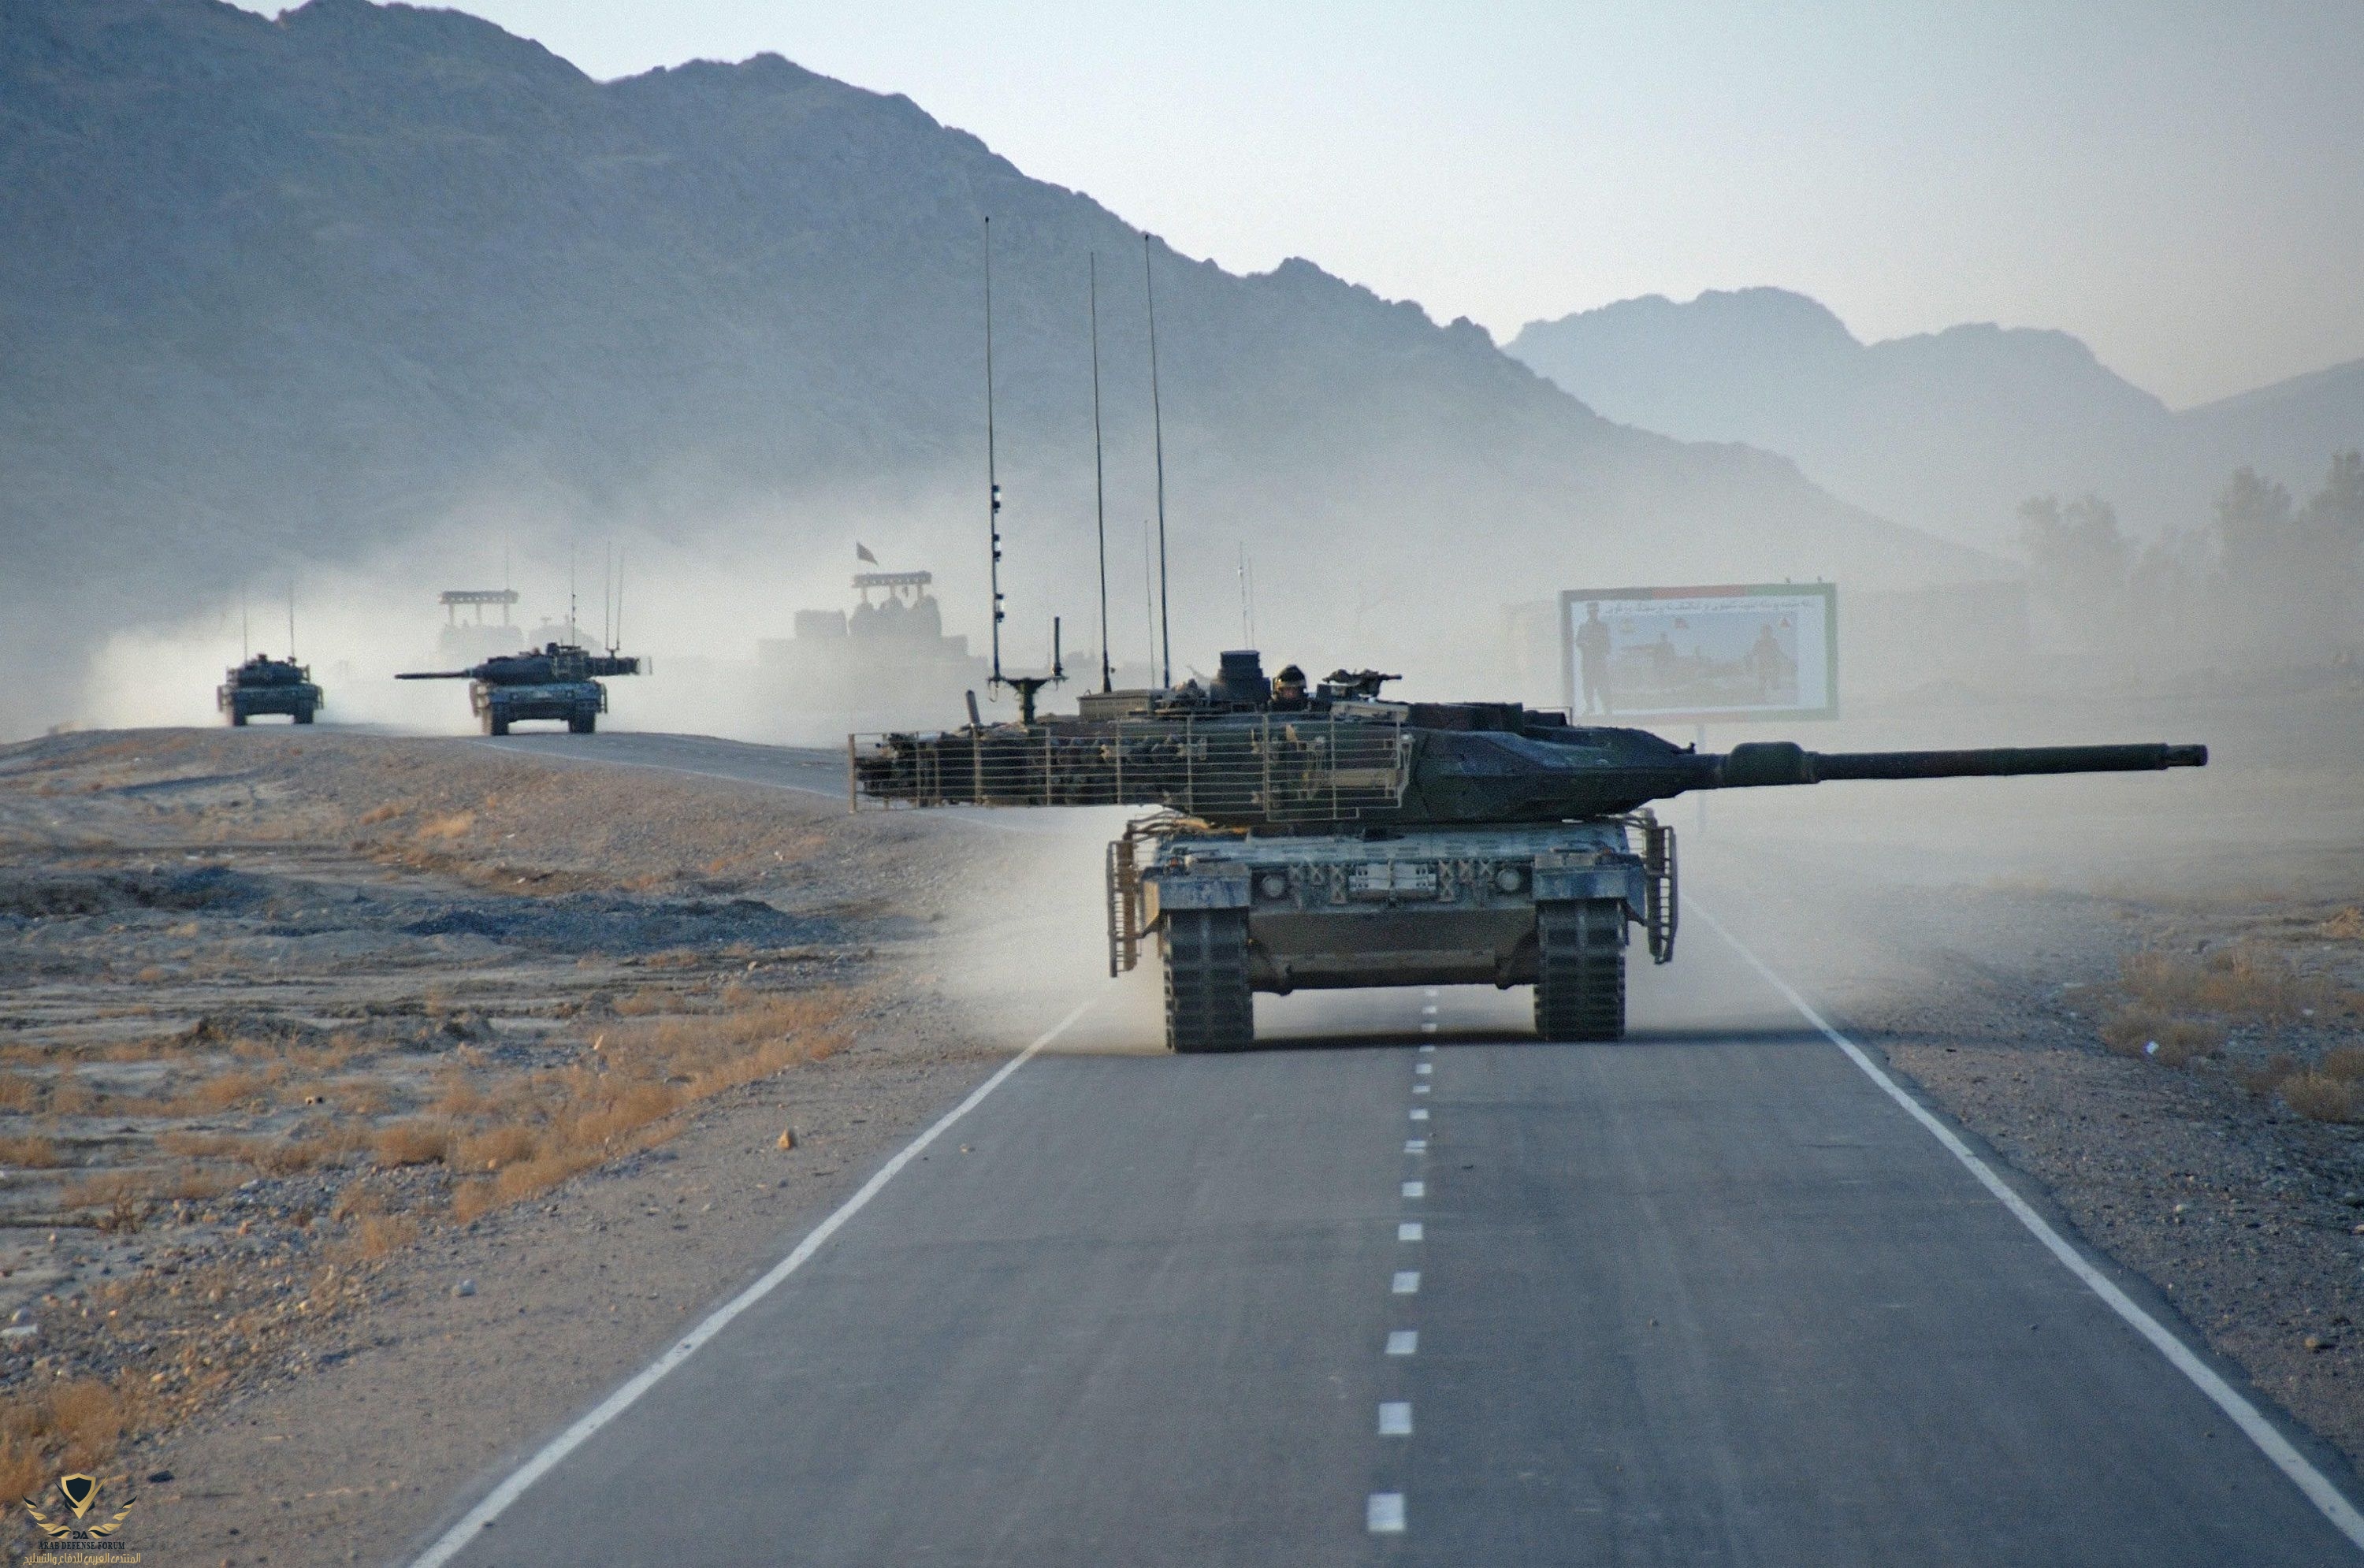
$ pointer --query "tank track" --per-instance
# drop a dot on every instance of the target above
(1209, 1005)
(1580, 971)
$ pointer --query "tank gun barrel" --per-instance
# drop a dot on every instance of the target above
(436, 675)
(1761, 763)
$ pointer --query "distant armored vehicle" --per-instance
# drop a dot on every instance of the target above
(885, 662)
(560, 680)
(264, 685)
(1331, 839)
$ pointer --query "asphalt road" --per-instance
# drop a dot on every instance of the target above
(1406, 1286)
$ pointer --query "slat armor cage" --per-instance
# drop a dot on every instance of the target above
(1268, 768)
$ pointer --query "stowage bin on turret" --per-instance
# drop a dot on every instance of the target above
(264, 685)
(559, 681)
(1327, 838)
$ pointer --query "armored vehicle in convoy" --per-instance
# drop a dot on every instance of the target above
(1329, 837)
(264, 685)
(559, 681)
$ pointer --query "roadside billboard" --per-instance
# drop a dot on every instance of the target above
(1701, 655)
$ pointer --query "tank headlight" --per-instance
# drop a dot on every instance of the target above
(1273, 884)
(1509, 879)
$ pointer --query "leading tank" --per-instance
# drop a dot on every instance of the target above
(558, 680)
(263, 685)
(1329, 838)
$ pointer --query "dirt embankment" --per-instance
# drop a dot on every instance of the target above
(2147, 993)
(367, 1104)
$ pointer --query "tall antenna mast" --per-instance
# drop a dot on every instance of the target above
(1247, 615)
(619, 633)
(1099, 480)
(572, 634)
(992, 482)
(1157, 425)
(1149, 595)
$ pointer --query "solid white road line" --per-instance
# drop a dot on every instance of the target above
(2277, 1448)
(1408, 1230)
(1395, 1418)
(1384, 1515)
(1403, 1342)
(1407, 1281)
(472, 1524)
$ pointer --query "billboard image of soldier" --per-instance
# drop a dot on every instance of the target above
(1700, 654)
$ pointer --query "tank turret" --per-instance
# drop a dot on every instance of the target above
(558, 680)
(1235, 755)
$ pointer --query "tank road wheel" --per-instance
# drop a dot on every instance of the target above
(1580, 970)
(1208, 1004)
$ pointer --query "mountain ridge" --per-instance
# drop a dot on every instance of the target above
(1946, 430)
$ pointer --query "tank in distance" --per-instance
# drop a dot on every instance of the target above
(557, 681)
(267, 686)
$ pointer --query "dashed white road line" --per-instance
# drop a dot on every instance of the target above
(1420, 1114)
(1428, 1050)
(1403, 1342)
(452, 1543)
(1419, 1088)
(1409, 1230)
(1384, 1515)
(1415, 1145)
(1426, 1068)
(1415, 1189)
(1429, 1028)
(2278, 1449)
(1407, 1282)
(1395, 1418)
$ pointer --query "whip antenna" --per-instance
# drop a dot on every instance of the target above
(992, 483)
(1099, 479)
(1157, 426)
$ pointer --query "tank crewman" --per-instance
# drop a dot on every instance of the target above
(1288, 688)
(1592, 655)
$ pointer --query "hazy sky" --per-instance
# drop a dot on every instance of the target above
(2181, 185)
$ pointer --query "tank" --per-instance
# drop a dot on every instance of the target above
(1328, 837)
(264, 685)
(557, 681)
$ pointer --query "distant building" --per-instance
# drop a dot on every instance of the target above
(885, 664)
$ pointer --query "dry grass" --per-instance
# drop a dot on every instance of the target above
(2344, 1063)
(2347, 926)
(495, 1147)
(2155, 1036)
(2270, 1075)
(387, 812)
(413, 1142)
(19, 1092)
(2247, 979)
(2319, 1097)
(121, 1198)
(443, 830)
(376, 1235)
(29, 1151)
(224, 1090)
(73, 1424)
